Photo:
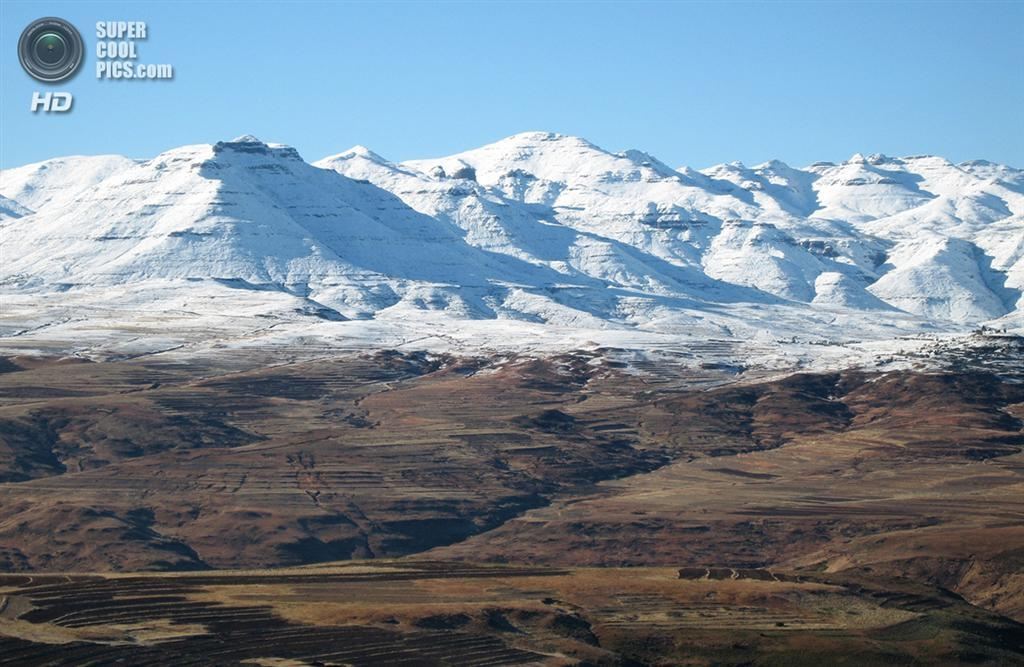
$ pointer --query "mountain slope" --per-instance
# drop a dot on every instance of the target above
(57, 181)
(11, 209)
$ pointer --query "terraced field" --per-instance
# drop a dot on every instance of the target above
(444, 614)
(77, 620)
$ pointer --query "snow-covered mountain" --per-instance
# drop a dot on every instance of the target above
(945, 238)
(251, 216)
(539, 229)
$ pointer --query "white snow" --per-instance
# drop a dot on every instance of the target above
(537, 241)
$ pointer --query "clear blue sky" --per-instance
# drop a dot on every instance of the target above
(693, 83)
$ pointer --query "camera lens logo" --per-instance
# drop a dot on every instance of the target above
(51, 50)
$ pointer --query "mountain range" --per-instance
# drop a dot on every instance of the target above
(540, 230)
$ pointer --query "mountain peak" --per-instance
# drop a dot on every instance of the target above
(537, 135)
(774, 165)
(249, 144)
(246, 143)
(550, 139)
(360, 151)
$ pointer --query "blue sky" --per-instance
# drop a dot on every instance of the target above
(692, 83)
